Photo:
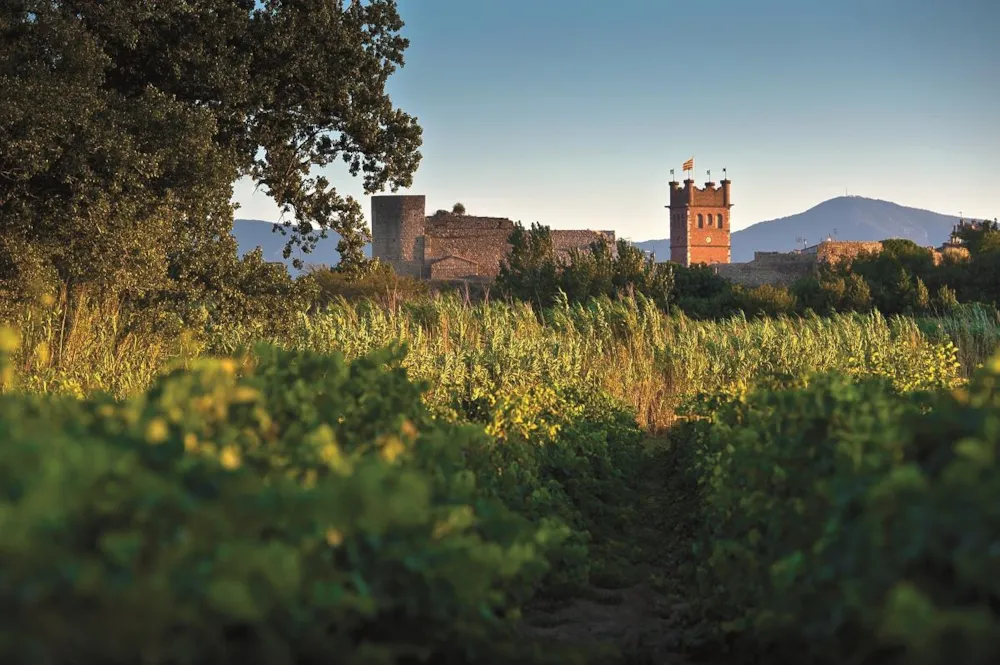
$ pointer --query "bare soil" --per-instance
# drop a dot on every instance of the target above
(641, 622)
(636, 622)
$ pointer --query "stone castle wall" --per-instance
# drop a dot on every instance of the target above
(839, 251)
(447, 246)
(443, 224)
(563, 241)
(783, 258)
(486, 248)
(756, 274)
(454, 267)
(784, 268)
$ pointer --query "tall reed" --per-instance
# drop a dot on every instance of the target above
(627, 348)
(975, 330)
(92, 345)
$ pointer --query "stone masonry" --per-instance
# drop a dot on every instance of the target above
(446, 246)
(783, 268)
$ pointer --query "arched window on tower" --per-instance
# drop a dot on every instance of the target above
(719, 219)
(710, 220)
(701, 221)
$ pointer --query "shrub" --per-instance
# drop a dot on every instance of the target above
(765, 300)
(286, 507)
(850, 522)
(378, 283)
(561, 453)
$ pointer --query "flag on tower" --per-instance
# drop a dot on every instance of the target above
(689, 165)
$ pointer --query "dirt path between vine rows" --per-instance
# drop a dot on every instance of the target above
(641, 620)
(636, 621)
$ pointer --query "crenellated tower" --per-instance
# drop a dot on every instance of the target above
(699, 223)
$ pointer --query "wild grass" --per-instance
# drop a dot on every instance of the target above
(91, 346)
(628, 347)
(974, 329)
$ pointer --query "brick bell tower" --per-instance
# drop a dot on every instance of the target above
(699, 222)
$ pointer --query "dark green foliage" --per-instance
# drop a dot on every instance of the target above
(307, 509)
(764, 300)
(249, 292)
(529, 271)
(289, 507)
(378, 282)
(598, 272)
(826, 293)
(902, 279)
(123, 126)
(534, 273)
(847, 522)
(973, 280)
(981, 239)
(567, 454)
(701, 294)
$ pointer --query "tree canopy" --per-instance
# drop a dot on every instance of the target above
(533, 272)
(125, 124)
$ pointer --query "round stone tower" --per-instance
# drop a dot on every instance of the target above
(398, 232)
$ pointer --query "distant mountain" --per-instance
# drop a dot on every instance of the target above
(253, 233)
(851, 217)
(660, 248)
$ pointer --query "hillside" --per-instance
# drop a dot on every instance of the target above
(853, 218)
(253, 233)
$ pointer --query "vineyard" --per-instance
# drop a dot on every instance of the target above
(446, 483)
(595, 458)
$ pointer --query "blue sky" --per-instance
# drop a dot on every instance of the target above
(572, 112)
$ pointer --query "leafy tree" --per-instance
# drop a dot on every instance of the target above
(379, 282)
(702, 294)
(982, 239)
(857, 295)
(945, 300)
(458, 209)
(533, 272)
(123, 126)
(587, 274)
(765, 300)
(599, 272)
(894, 280)
(976, 280)
(529, 271)
(829, 291)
